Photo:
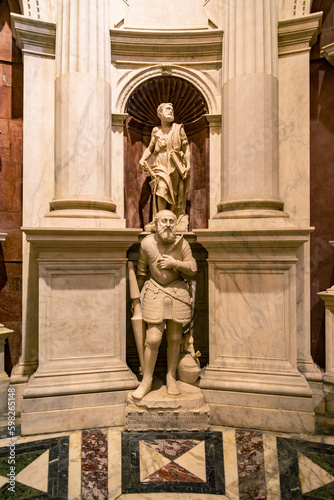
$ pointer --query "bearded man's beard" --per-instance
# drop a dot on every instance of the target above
(167, 235)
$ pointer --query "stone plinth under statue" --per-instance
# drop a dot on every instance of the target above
(160, 411)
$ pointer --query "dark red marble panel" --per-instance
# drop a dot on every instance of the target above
(11, 97)
(252, 484)
(94, 464)
(5, 102)
(322, 182)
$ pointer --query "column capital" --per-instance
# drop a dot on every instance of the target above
(298, 34)
(34, 36)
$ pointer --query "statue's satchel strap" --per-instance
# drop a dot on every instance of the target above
(171, 290)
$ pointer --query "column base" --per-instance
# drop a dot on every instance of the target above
(313, 376)
(261, 418)
(241, 208)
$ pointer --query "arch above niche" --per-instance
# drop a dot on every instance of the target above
(204, 84)
(189, 105)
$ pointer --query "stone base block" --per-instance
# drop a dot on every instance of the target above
(264, 412)
(160, 412)
(73, 412)
(164, 420)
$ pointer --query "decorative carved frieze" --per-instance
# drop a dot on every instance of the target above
(202, 44)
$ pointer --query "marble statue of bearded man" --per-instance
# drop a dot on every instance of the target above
(168, 260)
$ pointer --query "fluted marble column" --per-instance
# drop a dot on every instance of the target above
(83, 97)
(250, 110)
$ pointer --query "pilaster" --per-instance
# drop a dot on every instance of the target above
(295, 39)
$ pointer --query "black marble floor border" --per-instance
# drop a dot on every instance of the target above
(287, 452)
(58, 463)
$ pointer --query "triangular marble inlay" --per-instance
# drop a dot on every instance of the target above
(173, 473)
(150, 460)
(3, 480)
(172, 448)
(36, 474)
(311, 475)
(194, 461)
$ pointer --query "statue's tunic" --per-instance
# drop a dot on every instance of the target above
(166, 294)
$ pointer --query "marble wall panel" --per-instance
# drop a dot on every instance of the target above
(68, 295)
(11, 95)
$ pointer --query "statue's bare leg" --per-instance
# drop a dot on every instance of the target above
(153, 341)
(174, 337)
(161, 203)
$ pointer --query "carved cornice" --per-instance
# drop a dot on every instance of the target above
(152, 44)
(298, 34)
(328, 53)
(118, 119)
(214, 120)
(34, 36)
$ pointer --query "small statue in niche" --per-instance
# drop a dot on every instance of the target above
(170, 172)
(166, 299)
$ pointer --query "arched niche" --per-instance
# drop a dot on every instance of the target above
(190, 108)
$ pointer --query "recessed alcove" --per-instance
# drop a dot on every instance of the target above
(190, 109)
(200, 317)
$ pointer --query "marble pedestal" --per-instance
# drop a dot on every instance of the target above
(82, 377)
(160, 412)
(252, 379)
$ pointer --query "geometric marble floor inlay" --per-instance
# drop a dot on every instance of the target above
(173, 462)
(176, 461)
(224, 464)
